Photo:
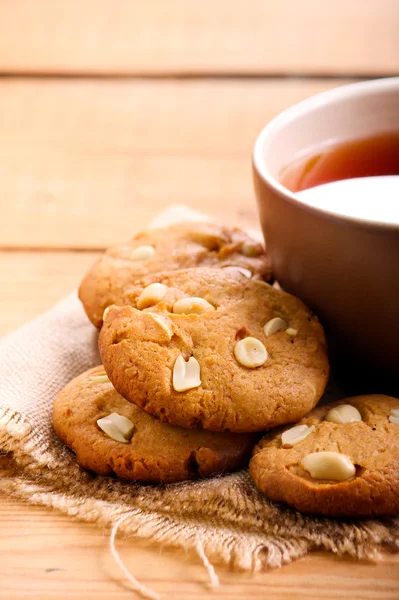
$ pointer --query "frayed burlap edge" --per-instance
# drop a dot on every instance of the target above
(226, 517)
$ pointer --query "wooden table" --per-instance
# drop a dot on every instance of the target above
(110, 111)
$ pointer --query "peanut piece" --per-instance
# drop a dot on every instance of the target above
(152, 294)
(393, 419)
(192, 306)
(233, 269)
(251, 249)
(296, 434)
(100, 378)
(344, 413)
(186, 375)
(106, 311)
(274, 325)
(328, 465)
(250, 352)
(291, 332)
(117, 427)
(162, 323)
(142, 253)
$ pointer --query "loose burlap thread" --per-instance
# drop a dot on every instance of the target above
(224, 519)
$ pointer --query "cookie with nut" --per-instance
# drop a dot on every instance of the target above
(340, 460)
(222, 357)
(178, 246)
(111, 436)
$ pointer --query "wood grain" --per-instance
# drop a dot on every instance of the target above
(31, 282)
(46, 556)
(86, 162)
(176, 36)
(83, 164)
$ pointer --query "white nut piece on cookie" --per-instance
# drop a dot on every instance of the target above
(394, 416)
(142, 253)
(251, 249)
(328, 465)
(117, 427)
(192, 306)
(250, 352)
(106, 311)
(100, 378)
(274, 325)
(186, 375)
(291, 332)
(162, 323)
(295, 435)
(233, 269)
(152, 294)
(344, 413)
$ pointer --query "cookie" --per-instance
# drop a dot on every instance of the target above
(142, 448)
(213, 349)
(176, 247)
(340, 460)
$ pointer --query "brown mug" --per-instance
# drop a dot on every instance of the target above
(345, 268)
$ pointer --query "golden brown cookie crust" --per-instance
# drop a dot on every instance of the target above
(139, 355)
(372, 445)
(179, 246)
(157, 452)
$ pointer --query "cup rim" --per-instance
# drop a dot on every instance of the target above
(357, 89)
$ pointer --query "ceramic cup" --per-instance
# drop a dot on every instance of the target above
(346, 269)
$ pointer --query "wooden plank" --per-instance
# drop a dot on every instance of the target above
(86, 163)
(63, 558)
(175, 36)
(31, 282)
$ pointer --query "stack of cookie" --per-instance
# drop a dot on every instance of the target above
(200, 355)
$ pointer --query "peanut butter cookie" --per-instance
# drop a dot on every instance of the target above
(340, 460)
(176, 247)
(112, 436)
(211, 348)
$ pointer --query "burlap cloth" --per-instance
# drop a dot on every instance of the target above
(225, 519)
